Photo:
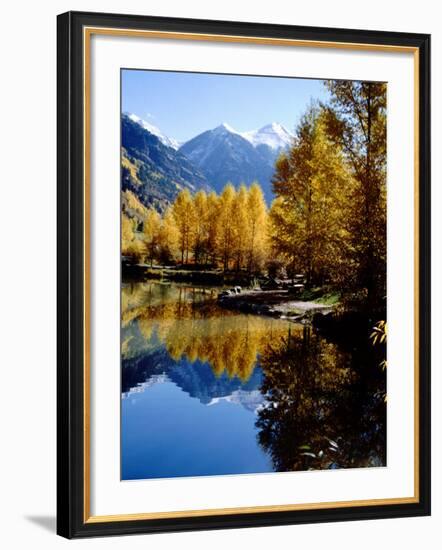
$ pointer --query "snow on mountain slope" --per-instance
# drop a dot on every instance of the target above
(225, 155)
(273, 135)
(153, 171)
(170, 142)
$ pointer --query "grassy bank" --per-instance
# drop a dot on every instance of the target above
(320, 295)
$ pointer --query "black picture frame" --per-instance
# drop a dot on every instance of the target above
(71, 519)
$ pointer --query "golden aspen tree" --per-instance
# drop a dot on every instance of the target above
(131, 246)
(184, 214)
(200, 234)
(282, 228)
(309, 218)
(168, 237)
(291, 211)
(132, 204)
(127, 233)
(212, 227)
(256, 228)
(356, 121)
(333, 188)
(240, 227)
(151, 232)
(226, 224)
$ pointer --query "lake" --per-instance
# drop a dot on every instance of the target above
(207, 391)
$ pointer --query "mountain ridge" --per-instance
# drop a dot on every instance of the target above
(153, 171)
(155, 167)
(225, 155)
(166, 140)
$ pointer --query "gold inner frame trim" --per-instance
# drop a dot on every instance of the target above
(87, 34)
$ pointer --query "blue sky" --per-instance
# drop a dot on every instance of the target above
(182, 105)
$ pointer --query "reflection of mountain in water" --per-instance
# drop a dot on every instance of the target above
(318, 403)
(191, 327)
(253, 400)
(179, 334)
(196, 379)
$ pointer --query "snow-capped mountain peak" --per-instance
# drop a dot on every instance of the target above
(224, 154)
(225, 128)
(170, 142)
(274, 135)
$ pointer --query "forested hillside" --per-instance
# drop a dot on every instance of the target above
(153, 171)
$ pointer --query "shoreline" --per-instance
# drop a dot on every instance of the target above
(275, 303)
(278, 303)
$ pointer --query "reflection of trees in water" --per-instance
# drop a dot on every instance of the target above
(324, 409)
(190, 325)
(229, 344)
(324, 405)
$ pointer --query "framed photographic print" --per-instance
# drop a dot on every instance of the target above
(243, 211)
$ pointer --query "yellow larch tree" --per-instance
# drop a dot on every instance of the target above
(168, 237)
(184, 214)
(151, 232)
(212, 226)
(240, 227)
(356, 121)
(256, 229)
(131, 245)
(226, 224)
(200, 225)
(309, 218)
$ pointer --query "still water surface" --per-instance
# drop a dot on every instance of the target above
(206, 391)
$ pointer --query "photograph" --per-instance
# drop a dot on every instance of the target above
(223, 235)
(243, 274)
(253, 274)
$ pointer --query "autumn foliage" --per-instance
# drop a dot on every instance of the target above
(328, 219)
(227, 230)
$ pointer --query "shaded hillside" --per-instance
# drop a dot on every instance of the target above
(154, 172)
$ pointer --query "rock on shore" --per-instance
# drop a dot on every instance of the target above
(275, 303)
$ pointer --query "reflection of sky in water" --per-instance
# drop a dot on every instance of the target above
(209, 392)
(166, 433)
